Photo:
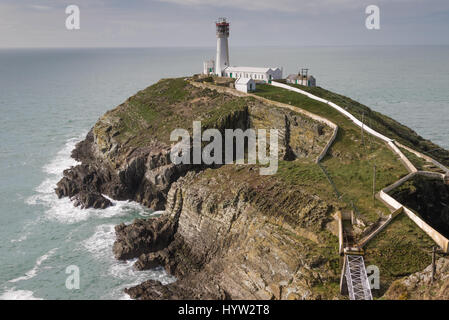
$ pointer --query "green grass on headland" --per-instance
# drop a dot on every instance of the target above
(351, 160)
(383, 124)
(402, 248)
(154, 112)
(300, 191)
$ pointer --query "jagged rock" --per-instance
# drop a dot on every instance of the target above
(152, 260)
(135, 165)
(155, 290)
(90, 200)
(142, 236)
(223, 245)
(221, 235)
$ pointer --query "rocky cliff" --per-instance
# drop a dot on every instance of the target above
(234, 243)
(227, 231)
(126, 155)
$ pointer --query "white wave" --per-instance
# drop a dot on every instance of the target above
(62, 210)
(124, 296)
(131, 277)
(100, 246)
(63, 160)
(158, 213)
(125, 270)
(21, 238)
(100, 243)
(32, 273)
(12, 294)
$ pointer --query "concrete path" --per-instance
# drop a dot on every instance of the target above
(383, 195)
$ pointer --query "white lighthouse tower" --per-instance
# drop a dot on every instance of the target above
(222, 60)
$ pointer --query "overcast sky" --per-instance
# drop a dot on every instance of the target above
(146, 23)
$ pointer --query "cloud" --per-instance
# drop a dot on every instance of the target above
(313, 7)
(40, 8)
(261, 22)
(292, 6)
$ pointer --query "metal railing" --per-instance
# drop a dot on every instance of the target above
(357, 279)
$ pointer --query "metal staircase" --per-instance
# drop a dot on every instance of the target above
(356, 278)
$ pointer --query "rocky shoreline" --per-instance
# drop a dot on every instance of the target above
(219, 243)
(226, 232)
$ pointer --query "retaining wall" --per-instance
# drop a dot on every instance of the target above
(387, 199)
(335, 106)
(439, 239)
(410, 167)
(423, 156)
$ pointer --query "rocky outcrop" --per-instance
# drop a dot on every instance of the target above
(232, 244)
(142, 237)
(419, 285)
(227, 232)
(144, 176)
(127, 157)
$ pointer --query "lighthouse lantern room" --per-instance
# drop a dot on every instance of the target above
(221, 68)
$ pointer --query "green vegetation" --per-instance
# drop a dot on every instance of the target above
(399, 250)
(154, 112)
(383, 124)
(418, 162)
(402, 248)
(351, 164)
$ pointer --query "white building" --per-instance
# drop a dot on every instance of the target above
(221, 65)
(209, 67)
(261, 74)
(245, 84)
(308, 81)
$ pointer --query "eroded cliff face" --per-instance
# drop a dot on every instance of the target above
(234, 242)
(227, 232)
(126, 155)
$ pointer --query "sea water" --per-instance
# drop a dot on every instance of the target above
(50, 98)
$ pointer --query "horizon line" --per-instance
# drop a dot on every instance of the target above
(234, 46)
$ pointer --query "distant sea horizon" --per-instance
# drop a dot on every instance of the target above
(51, 97)
(233, 46)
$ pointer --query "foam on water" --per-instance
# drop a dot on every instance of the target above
(23, 237)
(100, 243)
(62, 210)
(13, 294)
(63, 160)
(100, 246)
(33, 272)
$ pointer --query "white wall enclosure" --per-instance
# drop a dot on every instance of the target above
(245, 84)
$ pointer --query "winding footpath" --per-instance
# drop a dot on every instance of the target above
(357, 285)
(383, 195)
